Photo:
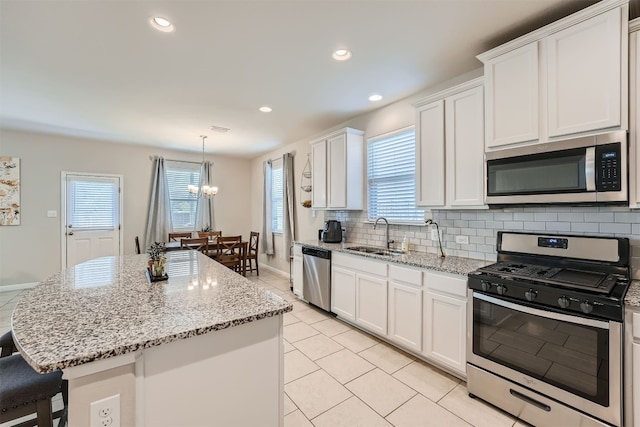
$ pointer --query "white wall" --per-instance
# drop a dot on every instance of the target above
(30, 252)
(386, 119)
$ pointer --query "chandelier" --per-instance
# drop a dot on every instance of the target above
(205, 191)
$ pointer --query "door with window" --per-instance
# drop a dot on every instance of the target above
(91, 217)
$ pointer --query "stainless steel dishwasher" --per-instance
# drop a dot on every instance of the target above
(316, 283)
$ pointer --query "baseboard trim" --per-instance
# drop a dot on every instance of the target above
(18, 287)
(275, 270)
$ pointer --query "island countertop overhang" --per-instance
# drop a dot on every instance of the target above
(105, 308)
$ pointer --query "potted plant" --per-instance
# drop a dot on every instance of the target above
(157, 259)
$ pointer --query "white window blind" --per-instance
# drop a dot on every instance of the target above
(391, 167)
(277, 198)
(93, 203)
(183, 204)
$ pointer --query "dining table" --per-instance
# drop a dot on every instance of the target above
(213, 250)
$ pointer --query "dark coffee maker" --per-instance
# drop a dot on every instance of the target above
(332, 232)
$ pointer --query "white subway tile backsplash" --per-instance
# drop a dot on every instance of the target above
(481, 227)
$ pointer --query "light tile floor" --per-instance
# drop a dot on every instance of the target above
(337, 375)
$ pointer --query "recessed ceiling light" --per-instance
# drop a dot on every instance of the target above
(265, 109)
(161, 24)
(341, 55)
(375, 97)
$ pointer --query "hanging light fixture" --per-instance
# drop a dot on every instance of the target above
(206, 191)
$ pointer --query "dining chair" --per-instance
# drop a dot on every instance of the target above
(137, 245)
(252, 253)
(23, 391)
(200, 244)
(230, 251)
(211, 235)
(175, 237)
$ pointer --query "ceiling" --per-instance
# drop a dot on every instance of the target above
(97, 69)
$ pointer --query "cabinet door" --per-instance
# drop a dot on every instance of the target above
(430, 154)
(584, 81)
(371, 303)
(445, 330)
(297, 276)
(634, 123)
(512, 97)
(337, 171)
(465, 148)
(405, 315)
(319, 174)
(343, 293)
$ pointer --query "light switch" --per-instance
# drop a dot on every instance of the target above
(52, 214)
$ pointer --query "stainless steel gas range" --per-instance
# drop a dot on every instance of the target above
(545, 328)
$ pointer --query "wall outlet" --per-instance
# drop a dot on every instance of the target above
(463, 240)
(434, 234)
(105, 412)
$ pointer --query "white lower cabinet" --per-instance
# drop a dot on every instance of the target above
(419, 310)
(343, 292)
(297, 271)
(445, 320)
(371, 303)
(636, 384)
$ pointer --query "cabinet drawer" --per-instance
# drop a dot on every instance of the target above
(636, 325)
(407, 275)
(360, 263)
(452, 284)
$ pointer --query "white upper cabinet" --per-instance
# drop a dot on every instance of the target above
(337, 170)
(430, 154)
(584, 75)
(634, 113)
(511, 81)
(565, 79)
(450, 148)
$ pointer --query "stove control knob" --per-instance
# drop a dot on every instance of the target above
(485, 285)
(564, 302)
(502, 289)
(531, 294)
(586, 307)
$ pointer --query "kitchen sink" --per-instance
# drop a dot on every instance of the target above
(374, 250)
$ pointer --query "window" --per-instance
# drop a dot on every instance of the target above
(391, 161)
(93, 202)
(183, 204)
(277, 198)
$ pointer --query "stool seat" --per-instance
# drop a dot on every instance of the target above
(21, 384)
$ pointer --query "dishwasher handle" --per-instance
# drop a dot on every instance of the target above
(316, 252)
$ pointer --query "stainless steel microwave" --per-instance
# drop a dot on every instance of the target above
(590, 169)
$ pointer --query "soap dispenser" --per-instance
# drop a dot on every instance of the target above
(405, 244)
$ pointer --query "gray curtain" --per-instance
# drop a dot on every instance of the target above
(204, 209)
(267, 233)
(159, 216)
(288, 202)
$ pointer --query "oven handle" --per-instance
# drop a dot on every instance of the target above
(542, 313)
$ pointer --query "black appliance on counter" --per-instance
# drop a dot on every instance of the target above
(332, 232)
(545, 328)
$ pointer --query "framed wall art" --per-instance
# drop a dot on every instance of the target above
(9, 190)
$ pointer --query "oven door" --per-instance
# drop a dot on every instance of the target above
(574, 360)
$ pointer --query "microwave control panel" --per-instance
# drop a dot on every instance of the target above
(608, 167)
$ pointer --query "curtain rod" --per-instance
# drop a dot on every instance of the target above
(180, 161)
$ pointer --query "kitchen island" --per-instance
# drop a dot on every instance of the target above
(201, 348)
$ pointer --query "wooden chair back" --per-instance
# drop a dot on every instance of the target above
(230, 251)
(198, 244)
(137, 245)
(211, 235)
(175, 237)
(252, 253)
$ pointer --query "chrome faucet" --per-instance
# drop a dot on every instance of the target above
(386, 232)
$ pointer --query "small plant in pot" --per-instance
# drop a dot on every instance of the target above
(157, 259)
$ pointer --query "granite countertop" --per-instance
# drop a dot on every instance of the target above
(106, 307)
(632, 299)
(449, 264)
